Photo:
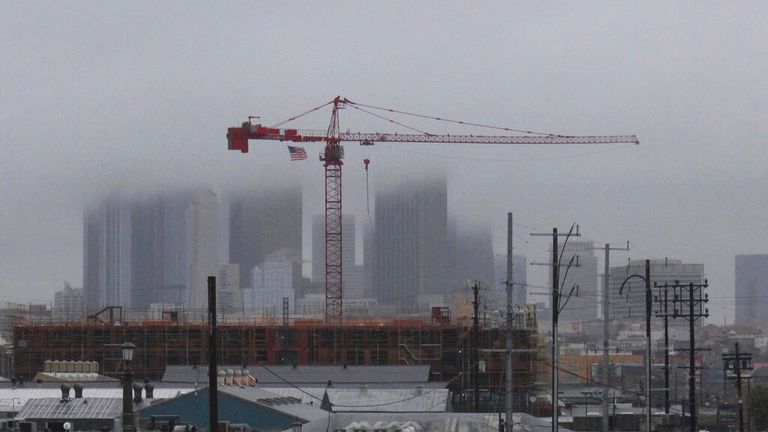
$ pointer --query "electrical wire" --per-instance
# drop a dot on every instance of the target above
(370, 405)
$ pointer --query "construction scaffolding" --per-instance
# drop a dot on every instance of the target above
(177, 340)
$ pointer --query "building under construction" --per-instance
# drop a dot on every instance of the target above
(444, 344)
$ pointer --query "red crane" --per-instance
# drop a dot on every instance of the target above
(237, 138)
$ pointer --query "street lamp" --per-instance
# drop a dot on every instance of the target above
(127, 349)
(648, 296)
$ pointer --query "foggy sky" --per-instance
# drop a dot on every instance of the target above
(101, 96)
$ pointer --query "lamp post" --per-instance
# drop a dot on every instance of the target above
(14, 401)
(127, 350)
(648, 296)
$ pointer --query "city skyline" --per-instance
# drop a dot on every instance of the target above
(132, 99)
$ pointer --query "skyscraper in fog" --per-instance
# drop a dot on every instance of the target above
(470, 256)
(410, 244)
(141, 250)
(583, 304)
(263, 223)
(107, 255)
(202, 247)
(751, 289)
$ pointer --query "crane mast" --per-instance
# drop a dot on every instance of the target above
(333, 153)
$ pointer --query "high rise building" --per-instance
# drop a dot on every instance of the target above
(351, 274)
(147, 250)
(230, 295)
(107, 254)
(630, 305)
(262, 223)
(583, 304)
(471, 257)
(271, 283)
(69, 304)
(202, 246)
(751, 289)
(410, 244)
(139, 251)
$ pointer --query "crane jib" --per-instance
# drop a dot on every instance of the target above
(238, 137)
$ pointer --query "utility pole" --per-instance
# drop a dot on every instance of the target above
(606, 331)
(717, 413)
(737, 363)
(556, 308)
(648, 302)
(213, 361)
(662, 312)
(694, 303)
(475, 343)
(510, 327)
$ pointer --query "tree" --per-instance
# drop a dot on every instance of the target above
(758, 407)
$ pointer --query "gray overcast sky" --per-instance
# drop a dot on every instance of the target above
(132, 95)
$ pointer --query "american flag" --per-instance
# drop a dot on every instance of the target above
(297, 153)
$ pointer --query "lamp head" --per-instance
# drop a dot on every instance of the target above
(127, 349)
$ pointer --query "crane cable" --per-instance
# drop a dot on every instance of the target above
(457, 121)
(302, 114)
(391, 121)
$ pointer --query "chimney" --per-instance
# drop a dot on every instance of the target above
(149, 390)
(137, 388)
(64, 392)
(78, 391)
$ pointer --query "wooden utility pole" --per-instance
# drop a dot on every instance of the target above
(475, 343)
(738, 363)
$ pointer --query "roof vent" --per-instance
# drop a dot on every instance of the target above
(78, 391)
(64, 392)
(137, 388)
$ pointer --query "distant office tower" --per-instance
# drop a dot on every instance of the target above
(630, 306)
(271, 283)
(751, 289)
(137, 251)
(368, 258)
(202, 236)
(174, 269)
(519, 278)
(147, 250)
(262, 223)
(410, 244)
(107, 255)
(352, 281)
(69, 304)
(471, 257)
(583, 305)
(230, 296)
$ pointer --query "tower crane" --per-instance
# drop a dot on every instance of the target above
(333, 153)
